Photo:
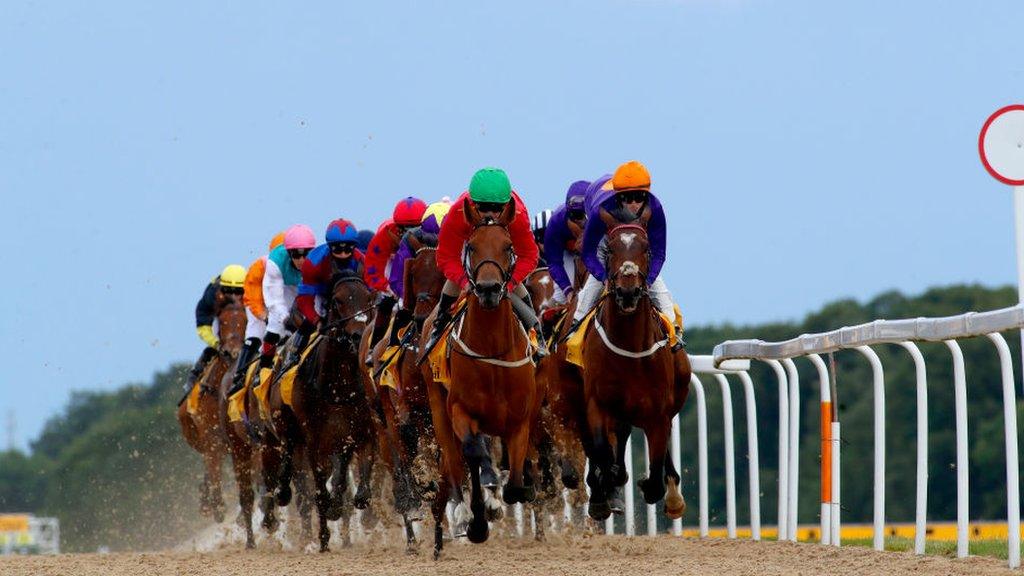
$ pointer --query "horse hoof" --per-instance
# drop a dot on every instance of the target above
(270, 523)
(334, 510)
(284, 496)
(437, 554)
(488, 478)
(675, 510)
(250, 544)
(570, 479)
(617, 501)
(599, 510)
(653, 491)
(361, 500)
(477, 532)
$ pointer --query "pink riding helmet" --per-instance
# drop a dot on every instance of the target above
(299, 236)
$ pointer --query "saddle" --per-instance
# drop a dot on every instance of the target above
(192, 404)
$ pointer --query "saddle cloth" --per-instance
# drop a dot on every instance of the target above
(574, 346)
(236, 403)
(192, 404)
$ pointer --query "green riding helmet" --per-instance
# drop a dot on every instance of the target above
(490, 185)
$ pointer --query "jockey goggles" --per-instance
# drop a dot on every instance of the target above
(577, 215)
(633, 197)
(342, 247)
(298, 252)
(232, 291)
(490, 206)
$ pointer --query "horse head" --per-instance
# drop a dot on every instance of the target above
(348, 314)
(488, 258)
(628, 260)
(231, 324)
(423, 279)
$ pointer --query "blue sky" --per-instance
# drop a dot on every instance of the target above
(805, 150)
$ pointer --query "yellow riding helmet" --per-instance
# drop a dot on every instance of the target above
(233, 276)
(438, 210)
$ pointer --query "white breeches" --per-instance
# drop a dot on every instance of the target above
(591, 293)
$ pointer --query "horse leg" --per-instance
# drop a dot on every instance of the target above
(653, 487)
(437, 509)
(320, 464)
(304, 498)
(270, 462)
(284, 484)
(600, 454)
(619, 477)
(516, 447)
(214, 459)
(675, 506)
(365, 460)
(242, 463)
(339, 483)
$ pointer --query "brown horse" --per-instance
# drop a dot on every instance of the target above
(493, 390)
(204, 430)
(406, 409)
(632, 377)
(331, 405)
(541, 288)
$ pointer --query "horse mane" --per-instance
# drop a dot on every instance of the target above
(428, 239)
(346, 275)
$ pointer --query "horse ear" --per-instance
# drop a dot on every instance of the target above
(609, 221)
(508, 214)
(413, 242)
(472, 214)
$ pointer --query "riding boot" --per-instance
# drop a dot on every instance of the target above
(244, 358)
(196, 371)
(299, 342)
(444, 317)
(680, 343)
(524, 310)
(269, 350)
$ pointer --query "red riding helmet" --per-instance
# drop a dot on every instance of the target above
(409, 211)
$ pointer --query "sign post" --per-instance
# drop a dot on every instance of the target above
(1001, 146)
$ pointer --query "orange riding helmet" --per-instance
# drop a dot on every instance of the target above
(631, 176)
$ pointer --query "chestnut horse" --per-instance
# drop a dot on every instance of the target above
(541, 288)
(331, 405)
(632, 377)
(204, 430)
(493, 390)
(406, 409)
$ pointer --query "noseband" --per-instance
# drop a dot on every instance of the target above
(613, 276)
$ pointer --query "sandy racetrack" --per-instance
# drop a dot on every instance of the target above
(577, 556)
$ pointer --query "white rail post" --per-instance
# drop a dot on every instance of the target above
(652, 510)
(702, 455)
(825, 425)
(730, 458)
(783, 508)
(878, 383)
(793, 377)
(1010, 432)
(836, 435)
(628, 488)
(921, 507)
(962, 494)
(676, 449)
(753, 459)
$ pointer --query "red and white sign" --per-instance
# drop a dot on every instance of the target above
(1001, 145)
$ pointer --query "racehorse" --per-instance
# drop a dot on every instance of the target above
(331, 406)
(632, 377)
(203, 428)
(492, 389)
(541, 288)
(403, 400)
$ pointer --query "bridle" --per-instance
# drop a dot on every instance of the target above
(614, 275)
(334, 326)
(471, 272)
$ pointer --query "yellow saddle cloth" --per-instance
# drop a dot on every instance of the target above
(192, 404)
(236, 403)
(389, 373)
(574, 346)
(288, 378)
(439, 357)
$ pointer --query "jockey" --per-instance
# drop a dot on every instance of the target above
(490, 191)
(255, 314)
(281, 284)
(230, 282)
(562, 240)
(406, 215)
(363, 240)
(429, 228)
(625, 199)
(338, 253)
(541, 220)
(426, 232)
